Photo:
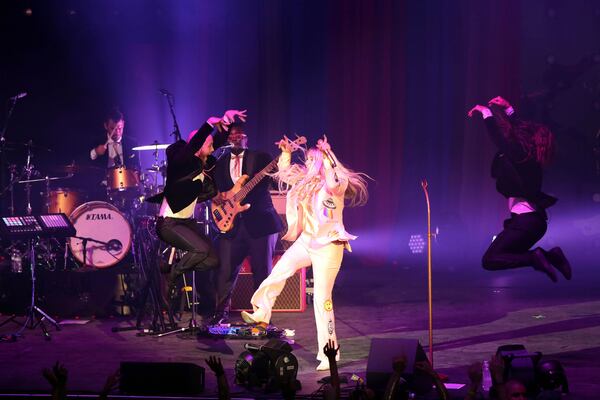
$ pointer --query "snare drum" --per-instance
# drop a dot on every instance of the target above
(64, 200)
(121, 178)
(102, 222)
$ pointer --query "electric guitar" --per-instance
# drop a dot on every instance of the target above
(224, 207)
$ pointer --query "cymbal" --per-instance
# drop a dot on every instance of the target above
(76, 168)
(155, 146)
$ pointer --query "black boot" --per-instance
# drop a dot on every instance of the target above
(540, 263)
(560, 262)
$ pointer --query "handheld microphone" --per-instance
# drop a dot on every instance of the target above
(18, 96)
(330, 158)
(165, 92)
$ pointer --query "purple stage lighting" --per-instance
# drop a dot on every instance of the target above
(416, 244)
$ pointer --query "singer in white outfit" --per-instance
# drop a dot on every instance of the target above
(315, 203)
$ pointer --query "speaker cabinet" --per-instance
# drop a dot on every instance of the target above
(161, 378)
(381, 357)
(291, 299)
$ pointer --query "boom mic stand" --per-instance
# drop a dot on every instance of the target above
(171, 100)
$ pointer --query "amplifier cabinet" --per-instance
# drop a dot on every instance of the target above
(291, 299)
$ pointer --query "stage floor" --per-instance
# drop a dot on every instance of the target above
(474, 312)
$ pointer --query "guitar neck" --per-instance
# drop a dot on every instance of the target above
(239, 196)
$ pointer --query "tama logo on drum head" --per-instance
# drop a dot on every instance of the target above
(93, 216)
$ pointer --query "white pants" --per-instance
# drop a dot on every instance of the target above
(326, 261)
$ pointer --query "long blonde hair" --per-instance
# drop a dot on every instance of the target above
(303, 182)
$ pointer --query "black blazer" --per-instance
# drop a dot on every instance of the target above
(182, 166)
(516, 174)
(260, 219)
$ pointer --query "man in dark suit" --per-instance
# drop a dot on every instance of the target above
(255, 230)
(189, 180)
(115, 151)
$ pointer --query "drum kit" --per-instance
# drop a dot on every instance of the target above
(105, 224)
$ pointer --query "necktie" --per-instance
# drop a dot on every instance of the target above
(117, 160)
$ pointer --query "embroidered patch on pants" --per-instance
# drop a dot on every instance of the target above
(330, 327)
(328, 305)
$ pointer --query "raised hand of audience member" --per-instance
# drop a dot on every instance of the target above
(57, 377)
(427, 368)
(475, 378)
(214, 363)
(330, 350)
(112, 383)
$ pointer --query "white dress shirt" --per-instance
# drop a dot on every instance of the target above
(233, 172)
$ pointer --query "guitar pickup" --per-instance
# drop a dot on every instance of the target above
(217, 215)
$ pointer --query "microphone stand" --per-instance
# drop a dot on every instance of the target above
(84, 242)
(170, 99)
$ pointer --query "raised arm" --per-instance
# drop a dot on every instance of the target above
(285, 159)
(335, 183)
(509, 147)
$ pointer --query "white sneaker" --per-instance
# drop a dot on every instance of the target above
(323, 366)
(247, 317)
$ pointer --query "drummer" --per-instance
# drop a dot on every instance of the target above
(116, 147)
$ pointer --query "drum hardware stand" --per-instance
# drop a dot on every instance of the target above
(151, 288)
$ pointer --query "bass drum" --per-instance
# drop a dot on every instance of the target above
(103, 222)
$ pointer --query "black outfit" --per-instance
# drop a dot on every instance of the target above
(255, 230)
(518, 175)
(180, 191)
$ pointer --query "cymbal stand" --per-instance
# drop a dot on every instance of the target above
(11, 107)
(11, 187)
(144, 247)
(29, 171)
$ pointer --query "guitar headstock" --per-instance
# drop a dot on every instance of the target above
(294, 144)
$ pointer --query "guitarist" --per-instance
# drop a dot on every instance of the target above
(255, 230)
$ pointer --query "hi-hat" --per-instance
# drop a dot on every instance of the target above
(156, 146)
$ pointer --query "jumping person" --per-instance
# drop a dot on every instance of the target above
(314, 211)
(189, 181)
(524, 149)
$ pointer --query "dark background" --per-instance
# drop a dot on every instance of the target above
(389, 82)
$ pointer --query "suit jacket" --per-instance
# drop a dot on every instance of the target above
(261, 219)
(516, 174)
(182, 166)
